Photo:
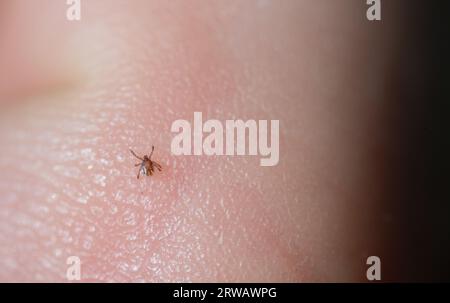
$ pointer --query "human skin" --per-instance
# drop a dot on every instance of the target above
(76, 96)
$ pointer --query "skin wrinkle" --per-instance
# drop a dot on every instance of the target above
(39, 48)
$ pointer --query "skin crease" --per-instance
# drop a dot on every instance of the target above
(76, 96)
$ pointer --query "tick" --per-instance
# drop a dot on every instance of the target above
(146, 166)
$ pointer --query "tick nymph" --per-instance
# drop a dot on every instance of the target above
(147, 166)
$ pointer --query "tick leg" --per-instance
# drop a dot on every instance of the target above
(136, 155)
(139, 172)
(157, 166)
(153, 148)
(137, 164)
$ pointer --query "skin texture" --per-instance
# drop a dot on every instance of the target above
(76, 96)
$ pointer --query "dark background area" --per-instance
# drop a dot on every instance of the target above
(417, 240)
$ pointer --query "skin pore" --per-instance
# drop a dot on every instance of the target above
(77, 96)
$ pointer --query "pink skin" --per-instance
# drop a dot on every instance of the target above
(73, 106)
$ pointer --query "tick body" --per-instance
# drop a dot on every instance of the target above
(146, 166)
